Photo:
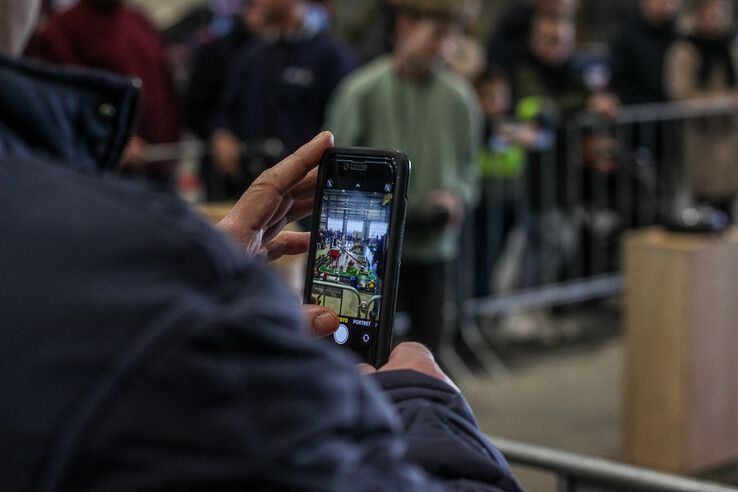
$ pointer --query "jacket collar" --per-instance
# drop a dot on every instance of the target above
(82, 118)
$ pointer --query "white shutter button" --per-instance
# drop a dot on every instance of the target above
(341, 335)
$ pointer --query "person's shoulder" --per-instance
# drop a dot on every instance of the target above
(327, 40)
(368, 77)
(379, 67)
(456, 86)
(130, 215)
(223, 48)
(333, 49)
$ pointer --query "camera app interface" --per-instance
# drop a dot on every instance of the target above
(349, 260)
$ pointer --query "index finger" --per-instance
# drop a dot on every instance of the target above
(294, 168)
(306, 187)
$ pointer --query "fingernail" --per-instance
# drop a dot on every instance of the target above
(325, 322)
(323, 134)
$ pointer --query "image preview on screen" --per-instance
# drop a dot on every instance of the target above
(349, 257)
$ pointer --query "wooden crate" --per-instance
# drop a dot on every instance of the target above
(680, 409)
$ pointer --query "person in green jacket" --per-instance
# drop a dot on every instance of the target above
(410, 101)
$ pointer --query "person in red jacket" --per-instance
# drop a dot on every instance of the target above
(110, 35)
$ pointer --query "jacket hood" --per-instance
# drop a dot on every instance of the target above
(81, 118)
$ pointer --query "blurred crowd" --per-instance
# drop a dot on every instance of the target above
(476, 114)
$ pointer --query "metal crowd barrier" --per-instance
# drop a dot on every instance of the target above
(576, 473)
(176, 151)
(571, 207)
(599, 179)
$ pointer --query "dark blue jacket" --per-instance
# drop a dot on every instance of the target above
(141, 350)
(280, 88)
(82, 118)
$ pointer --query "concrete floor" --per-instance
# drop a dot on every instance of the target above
(568, 400)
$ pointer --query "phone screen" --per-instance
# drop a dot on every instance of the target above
(351, 247)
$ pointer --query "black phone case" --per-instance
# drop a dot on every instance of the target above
(402, 167)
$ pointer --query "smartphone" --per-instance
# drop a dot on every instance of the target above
(353, 265)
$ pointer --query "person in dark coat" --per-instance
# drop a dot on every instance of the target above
(208, 79)
(144, 350)
(508, 42)
(110, 35)
(210, 67)
(638, 52)
(277, 90)
(638, 56)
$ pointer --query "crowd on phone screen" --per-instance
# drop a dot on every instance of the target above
(264, 76)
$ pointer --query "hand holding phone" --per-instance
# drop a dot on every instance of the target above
(285, 194)
(356, 240)
(412, 356)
